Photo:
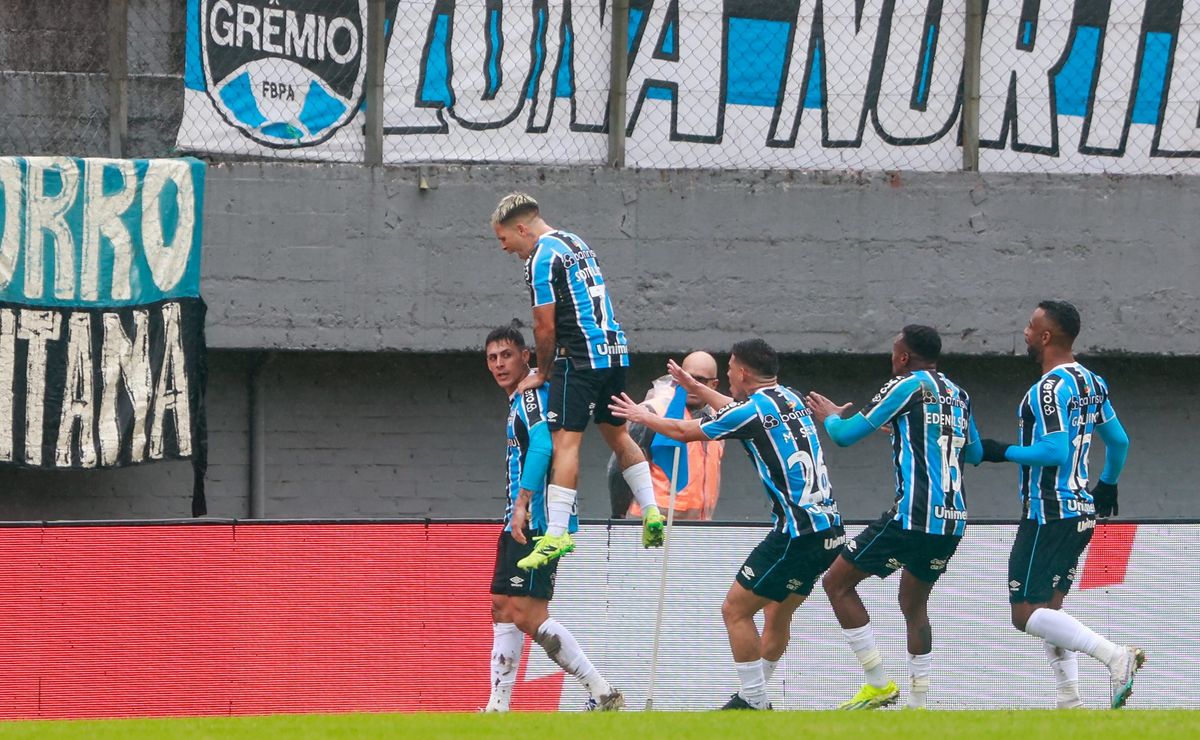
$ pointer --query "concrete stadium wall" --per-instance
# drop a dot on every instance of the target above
(385, 285)
(54, 77)
(353, 259)
(415, 435)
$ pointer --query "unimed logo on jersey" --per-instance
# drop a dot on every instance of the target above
(286, 73)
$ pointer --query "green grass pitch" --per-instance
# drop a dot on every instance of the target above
(1024, 725)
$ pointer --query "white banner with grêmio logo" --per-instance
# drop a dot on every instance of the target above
(1065, 85)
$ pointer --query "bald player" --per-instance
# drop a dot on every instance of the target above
(698, 499)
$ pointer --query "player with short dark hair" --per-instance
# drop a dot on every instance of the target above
(1057, 418)
(582, 354)
(932, 432)
(520, 599)
(778, 432)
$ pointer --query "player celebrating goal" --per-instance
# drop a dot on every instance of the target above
(582, 354)
(778, 432)
(520, 600)
(1057, 418)
(932, 433)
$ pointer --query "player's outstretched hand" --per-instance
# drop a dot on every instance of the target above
(1105, 495)
(519, 516)
(821, 407)
(681, 376)
(624, 407)
(533, 380)
(993, 451)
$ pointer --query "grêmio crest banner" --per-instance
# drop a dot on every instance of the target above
(1070, 86)
(102, 352)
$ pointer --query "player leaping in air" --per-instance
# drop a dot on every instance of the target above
(582, 354)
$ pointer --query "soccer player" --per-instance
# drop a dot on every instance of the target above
(582, 354)
(521, 600)
(778, 431)
(1056, 421)
(932, 432)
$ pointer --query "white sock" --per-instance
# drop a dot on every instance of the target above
(507, 642)
(862, 641)
(919, 668)
(560, 504)
(1058, 627)
(563, 649)
(769, 669)
(1066, 675)
(642, 485)
(754, 684)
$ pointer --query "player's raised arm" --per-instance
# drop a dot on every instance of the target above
(843, 432)
(684, 430)
(709, 395)
(544, 340)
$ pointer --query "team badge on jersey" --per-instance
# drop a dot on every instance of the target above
(284, 76)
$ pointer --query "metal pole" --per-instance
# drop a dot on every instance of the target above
(617, 75)
(258, 436)
(662, 581)
(376, 17)
(118, 77)
(972, 65)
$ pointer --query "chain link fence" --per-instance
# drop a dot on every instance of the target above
(1078, 87)
(1058, 86)
(54, 78)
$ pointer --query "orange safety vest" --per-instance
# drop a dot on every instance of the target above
(698, 498)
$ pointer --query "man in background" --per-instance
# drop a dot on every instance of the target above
(700, 466)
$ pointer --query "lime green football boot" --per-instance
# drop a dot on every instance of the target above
(870, 697)
(547, 549)
(653, 526)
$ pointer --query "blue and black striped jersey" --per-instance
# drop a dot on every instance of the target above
(1070, 399)
(931, 424)
(526, 411)
(563, 270)
(778, 432)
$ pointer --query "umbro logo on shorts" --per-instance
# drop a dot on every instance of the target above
(551, 416)
(937, 564)
(793, 585)
(517, 581)
(1014, 585)
(747, 571)
(894, 564)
